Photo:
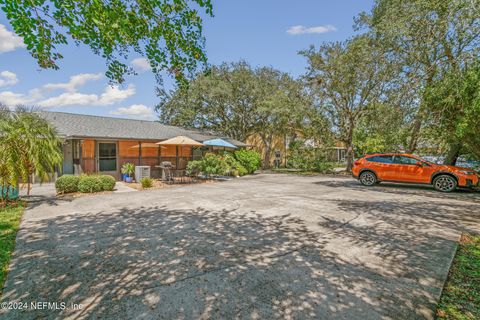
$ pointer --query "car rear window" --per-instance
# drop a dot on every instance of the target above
(381, 159)
(404, 160)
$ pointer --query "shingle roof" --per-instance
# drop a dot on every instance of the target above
(70, 125)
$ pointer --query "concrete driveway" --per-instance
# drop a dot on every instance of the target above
(265, 246)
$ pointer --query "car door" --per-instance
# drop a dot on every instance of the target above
(409, 169)
(381, 165)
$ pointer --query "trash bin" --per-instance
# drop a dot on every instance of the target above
(12, 192)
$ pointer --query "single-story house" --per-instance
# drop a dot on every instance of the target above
(102, 144)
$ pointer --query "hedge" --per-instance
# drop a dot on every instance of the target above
(67, 183)
(90, 184)
(84, 183)
(108, 182)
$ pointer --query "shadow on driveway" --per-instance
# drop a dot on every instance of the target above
(158, 263)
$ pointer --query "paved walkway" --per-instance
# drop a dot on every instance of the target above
(266, 246)
(120, 187)
(47, 192)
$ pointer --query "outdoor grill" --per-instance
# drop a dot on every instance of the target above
(166, 165)
(166, 173)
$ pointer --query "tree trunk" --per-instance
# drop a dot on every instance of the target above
(28, 185)
(349, 144)
(453, 154)
(268, 147)
(266, 159)
(419, 116)
(417, 125)
(349, 156)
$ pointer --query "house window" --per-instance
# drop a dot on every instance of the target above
(107, 156)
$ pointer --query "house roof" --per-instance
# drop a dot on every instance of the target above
(71, 125)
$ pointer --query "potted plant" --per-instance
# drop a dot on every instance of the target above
(128, 168)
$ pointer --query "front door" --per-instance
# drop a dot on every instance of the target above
(107, 158)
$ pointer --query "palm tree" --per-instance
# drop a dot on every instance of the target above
(9, 172)
(29, 146)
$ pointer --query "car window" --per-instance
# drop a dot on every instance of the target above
(404, 160)
(381, 159)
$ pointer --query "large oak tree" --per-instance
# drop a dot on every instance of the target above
(239, 101)
(429, 39)
(347, 78)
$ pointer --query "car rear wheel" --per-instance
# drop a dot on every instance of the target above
(445, 183)
(368, 178)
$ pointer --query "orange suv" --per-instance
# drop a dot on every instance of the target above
(408, 168)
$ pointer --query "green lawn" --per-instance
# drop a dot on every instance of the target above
(9, 222)
(461, 295)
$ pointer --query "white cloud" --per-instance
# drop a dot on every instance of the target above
(7, 78)
(296, 30)
(141, 64)
(115, 94)
(138, 111)
(12, 99)
(69, 99)
(75, 82)
(36, 93)
(109, 96)
(8, 40)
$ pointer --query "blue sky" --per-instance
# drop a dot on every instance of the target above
(264, 33)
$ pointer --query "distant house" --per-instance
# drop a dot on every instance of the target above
(280, 145)
(102, 144)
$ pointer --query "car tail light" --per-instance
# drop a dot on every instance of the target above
(356, 163)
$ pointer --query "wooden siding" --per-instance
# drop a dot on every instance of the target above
(130, 151)
(88, 156)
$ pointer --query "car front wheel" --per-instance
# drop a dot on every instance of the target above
(445, 183)
(368, 178)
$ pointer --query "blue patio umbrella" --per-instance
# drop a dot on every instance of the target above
(219, 143)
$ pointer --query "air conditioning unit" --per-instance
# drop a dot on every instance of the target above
(142, 172)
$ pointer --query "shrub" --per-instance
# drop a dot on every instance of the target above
(211, 164)
(214, 164)
(323, 167)
(236, 168)
(308, 158)
(128, 168)
(90, 184)
(194, 167)
(146, 182)
(67, 183)
(249, 159)
(108, 182)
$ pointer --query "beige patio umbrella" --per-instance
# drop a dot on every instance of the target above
(182, 141)
(147, 145)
